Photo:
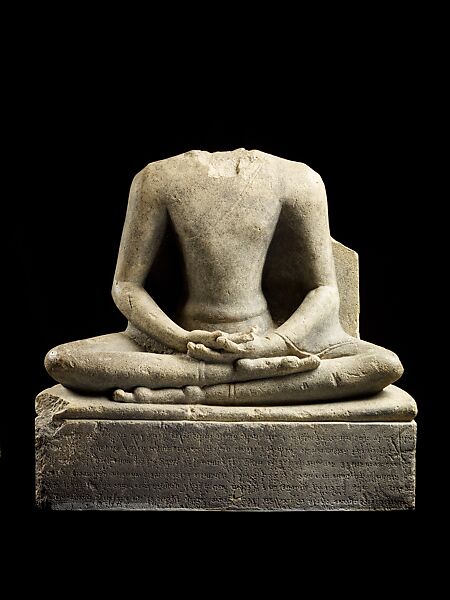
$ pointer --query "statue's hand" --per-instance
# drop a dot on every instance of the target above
(252, 345)
(205, 345)
(203, 352)
(207, 338)
(255, 367)
(229, 347)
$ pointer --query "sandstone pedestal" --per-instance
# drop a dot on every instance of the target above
(96, 454)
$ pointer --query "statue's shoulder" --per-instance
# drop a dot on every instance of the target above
(170, 176)
(156, 177)
(291, 168)
(160, 169)
(297, 179)
(168, 170)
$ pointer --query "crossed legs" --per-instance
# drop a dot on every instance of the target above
(116, 363)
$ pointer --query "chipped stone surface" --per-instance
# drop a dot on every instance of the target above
(151, 465)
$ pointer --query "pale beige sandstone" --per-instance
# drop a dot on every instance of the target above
(391, 404)
(172, 414)
(269, 310)
(97, 454)
(347, 276)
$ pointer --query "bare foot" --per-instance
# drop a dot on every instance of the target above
(141, 395)
(122, 396)
(277, 365)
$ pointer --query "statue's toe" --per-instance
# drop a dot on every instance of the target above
(122, 396)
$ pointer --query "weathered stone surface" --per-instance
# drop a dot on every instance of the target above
(262, 309)
(392, 404)
(346, 262)
(151, 465)
(243, 383)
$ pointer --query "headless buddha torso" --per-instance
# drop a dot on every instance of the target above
(224, 235)
(224, 208)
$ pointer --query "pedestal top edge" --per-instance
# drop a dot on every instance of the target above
(391, 405)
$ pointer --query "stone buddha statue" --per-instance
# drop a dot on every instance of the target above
(251, 315)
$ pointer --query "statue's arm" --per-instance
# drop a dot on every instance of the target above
(143, 230)
(308, 215)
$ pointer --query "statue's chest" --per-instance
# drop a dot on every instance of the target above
(209, 211)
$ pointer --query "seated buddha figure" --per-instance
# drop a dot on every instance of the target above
(225, 343)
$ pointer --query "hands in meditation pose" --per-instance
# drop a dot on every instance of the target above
(223, 347)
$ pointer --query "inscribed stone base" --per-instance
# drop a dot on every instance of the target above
(145, 463)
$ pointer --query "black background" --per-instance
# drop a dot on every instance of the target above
(92, 131)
